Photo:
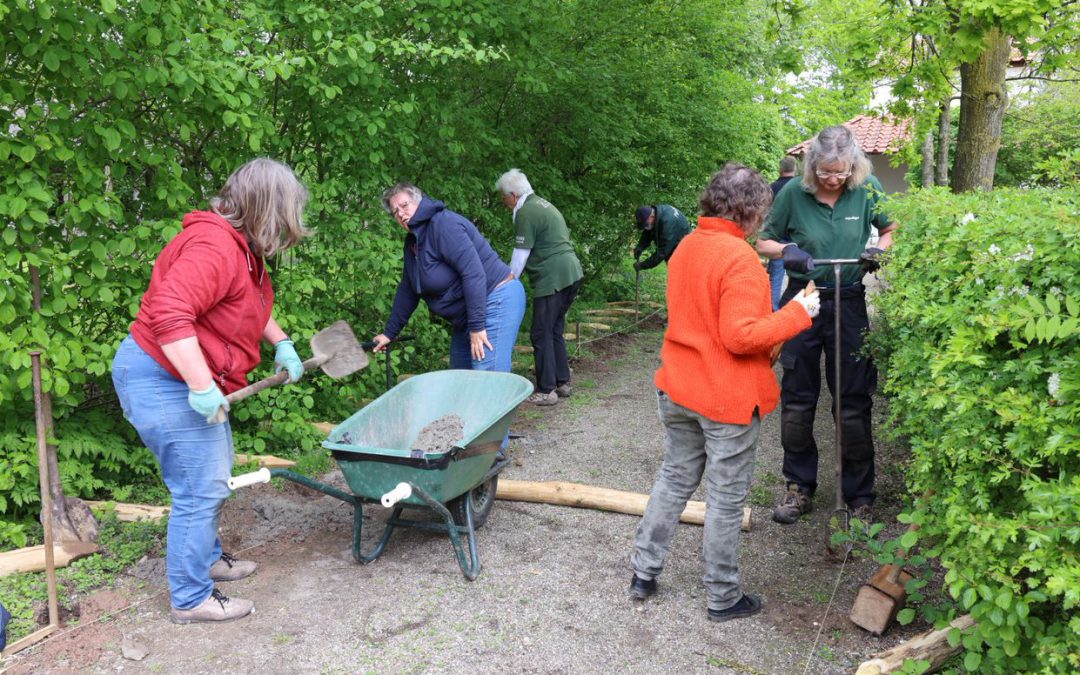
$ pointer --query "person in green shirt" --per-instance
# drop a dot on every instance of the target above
(542, 248)
(663, 224)
(828, 214)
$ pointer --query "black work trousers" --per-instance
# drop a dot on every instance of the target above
(546, 334)
(801, 384)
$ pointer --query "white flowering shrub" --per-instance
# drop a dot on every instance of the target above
(978, 341)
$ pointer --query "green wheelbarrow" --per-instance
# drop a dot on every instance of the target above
(372, 449)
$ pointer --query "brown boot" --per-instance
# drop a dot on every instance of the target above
(228, 568)
(795, 503)
(218, 607)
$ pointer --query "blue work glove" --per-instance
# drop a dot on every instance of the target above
(871, 259)
(286, 358)
(797, 260)
(208, 402)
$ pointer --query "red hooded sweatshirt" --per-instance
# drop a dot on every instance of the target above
(207, 283)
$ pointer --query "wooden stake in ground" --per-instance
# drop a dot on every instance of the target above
(561, 493)
(71, 518)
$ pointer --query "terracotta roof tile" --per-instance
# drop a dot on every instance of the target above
(875, 135)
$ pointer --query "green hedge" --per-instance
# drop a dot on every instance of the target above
(979, 347)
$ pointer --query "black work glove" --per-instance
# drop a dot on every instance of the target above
(797, 260)
(871, 259)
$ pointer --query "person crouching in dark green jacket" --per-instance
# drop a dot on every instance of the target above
(663, 224)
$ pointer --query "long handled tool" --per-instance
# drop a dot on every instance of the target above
(334, 349)
(840, 512)
(637, 293)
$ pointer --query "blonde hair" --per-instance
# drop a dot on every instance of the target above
(265, 201)
(835, 144)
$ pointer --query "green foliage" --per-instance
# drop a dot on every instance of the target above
(123, 544)
(116, 118)
(1040, 139)
(979, 341)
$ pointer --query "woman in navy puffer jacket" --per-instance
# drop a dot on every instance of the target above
(452, 267)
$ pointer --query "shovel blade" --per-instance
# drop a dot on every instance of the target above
(337, 344)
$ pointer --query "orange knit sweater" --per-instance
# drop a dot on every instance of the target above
(715, 358)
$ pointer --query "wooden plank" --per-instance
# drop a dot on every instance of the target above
(32, 558)
(630, 303)
(523, 349)
(324, 427)
(611, 310)
(29, 640)
(595, 326)
(132, 512)
(269, 461)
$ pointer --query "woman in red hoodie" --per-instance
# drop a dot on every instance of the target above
(195, 338)
(714, 385)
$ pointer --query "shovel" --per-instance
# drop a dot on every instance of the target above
(335, 349)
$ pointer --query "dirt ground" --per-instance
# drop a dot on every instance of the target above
(552, 594)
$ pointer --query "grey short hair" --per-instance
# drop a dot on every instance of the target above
(835, 144)
(513, 182)
(787, 164)
(397, 188)
(739, 194)
(265, 201)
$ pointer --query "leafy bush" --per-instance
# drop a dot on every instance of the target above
(979, 342)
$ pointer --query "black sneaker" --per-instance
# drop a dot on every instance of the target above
(748, 605)
(641, 588)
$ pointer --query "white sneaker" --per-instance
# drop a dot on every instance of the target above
(550, 398)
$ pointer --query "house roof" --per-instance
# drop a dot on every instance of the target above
(875, 135)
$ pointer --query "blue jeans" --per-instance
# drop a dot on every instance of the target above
(696, 447)
(505, 309)
(776, 281)
(196, 462)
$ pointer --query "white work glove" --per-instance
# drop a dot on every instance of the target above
(810, 302)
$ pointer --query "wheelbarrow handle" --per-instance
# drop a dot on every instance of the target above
(837, 261)
(251, 478)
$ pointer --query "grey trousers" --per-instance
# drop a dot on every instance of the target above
(696, 447)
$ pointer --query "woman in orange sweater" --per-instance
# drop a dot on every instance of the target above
(714, 385)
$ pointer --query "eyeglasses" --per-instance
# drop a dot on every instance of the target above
(401, 208)
(833, 174)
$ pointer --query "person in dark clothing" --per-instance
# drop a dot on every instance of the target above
(776, 267)
(452, 267)
(828, 215)
(666, 226)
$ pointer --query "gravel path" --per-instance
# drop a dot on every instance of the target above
(551, 597)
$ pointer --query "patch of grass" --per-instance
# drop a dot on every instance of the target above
(821, 597)
(718, 662)
(826, 653)
(760, 495)
(282, 638)
(123, 544)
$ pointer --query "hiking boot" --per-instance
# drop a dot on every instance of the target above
(228, 568)
(795, 503)
(642, 588)
(218, 607)
(550, 398)
(864, 513)
(564, 390)
(748, 605)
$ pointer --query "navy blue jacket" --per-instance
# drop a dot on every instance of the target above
(450, 265)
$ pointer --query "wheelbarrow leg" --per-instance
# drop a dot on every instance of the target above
(470, 566)
(358, 518)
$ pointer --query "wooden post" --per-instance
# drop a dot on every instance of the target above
(932, 646)
(43, 476)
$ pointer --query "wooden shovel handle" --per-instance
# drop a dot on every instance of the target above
(275, 379)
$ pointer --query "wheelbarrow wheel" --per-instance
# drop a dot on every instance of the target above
(483, 500)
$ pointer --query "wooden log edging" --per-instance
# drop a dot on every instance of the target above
(562, 493)
(932, 646)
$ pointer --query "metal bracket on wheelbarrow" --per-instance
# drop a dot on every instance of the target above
(840, 520)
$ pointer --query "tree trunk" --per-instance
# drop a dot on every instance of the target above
(983, 99)
(72, 519)
(928, 160)
(941, 171)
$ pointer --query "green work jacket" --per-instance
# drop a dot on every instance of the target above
(668, 230)
(552, 264)
(823, 231)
